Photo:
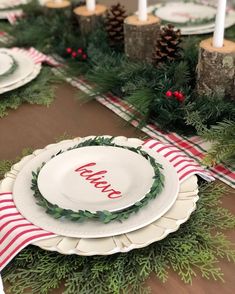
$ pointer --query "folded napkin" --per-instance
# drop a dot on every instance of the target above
(13, 15)
(37, 56)
(16, 232)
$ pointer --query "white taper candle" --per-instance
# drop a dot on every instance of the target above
(218, 37)
(90, 5)
(142, 10)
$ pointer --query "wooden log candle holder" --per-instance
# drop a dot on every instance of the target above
(57, 5)
(140, 37)
(89, 20)
(216, 69)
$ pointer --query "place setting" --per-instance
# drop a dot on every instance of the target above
(9, 9)
(96, 196)
(190, 17)
(19, 67)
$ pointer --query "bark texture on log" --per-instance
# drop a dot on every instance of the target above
(87, 20)
(140, 37)
(216, 69)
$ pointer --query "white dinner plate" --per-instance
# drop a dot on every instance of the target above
(96, 178)
(25, 201)
(181, 12)
(25, 67)
(5, 13)
(198, 29)
(28, 79)
(6, 62)
(11, 3)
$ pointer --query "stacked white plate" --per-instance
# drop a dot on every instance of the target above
(25, 69)
(126, 172)
(4, 4)
(190, 17)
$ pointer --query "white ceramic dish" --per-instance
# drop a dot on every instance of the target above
(5, 13)
(199, 29)
(25, 202)
(28, 79)
(181, 210)
(96, 178)
(6, 62)
(181, 12)
(4, 4)
(25, 67)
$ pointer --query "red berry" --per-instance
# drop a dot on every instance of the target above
(74, 54)
(80, 50)
(180, 97)
(176, 93)
(169, 93)
(84, 56)
(69, 50)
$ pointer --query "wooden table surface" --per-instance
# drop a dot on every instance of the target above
(36, 126)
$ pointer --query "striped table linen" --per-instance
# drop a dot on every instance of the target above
(16, 232)
(194, 147)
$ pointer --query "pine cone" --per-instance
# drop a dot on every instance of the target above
(167, 46)
(114, 24)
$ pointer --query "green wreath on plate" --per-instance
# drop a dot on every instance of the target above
(104, 216)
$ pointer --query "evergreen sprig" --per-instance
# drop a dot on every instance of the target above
(40, 91)
(104, 216)
(222, 137)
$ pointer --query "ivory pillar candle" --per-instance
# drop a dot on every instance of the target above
(218, 37)
(142, 10)
(90, 5)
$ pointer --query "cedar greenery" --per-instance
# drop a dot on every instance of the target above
(104, 216)
(191, 251)
(40, 91)
(222, 137)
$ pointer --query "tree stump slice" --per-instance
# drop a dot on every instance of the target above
(51, 7)
(89, 20)
(57, 5)
(140, 37)
(216, 69)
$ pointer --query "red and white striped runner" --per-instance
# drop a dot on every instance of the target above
(16, 232)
